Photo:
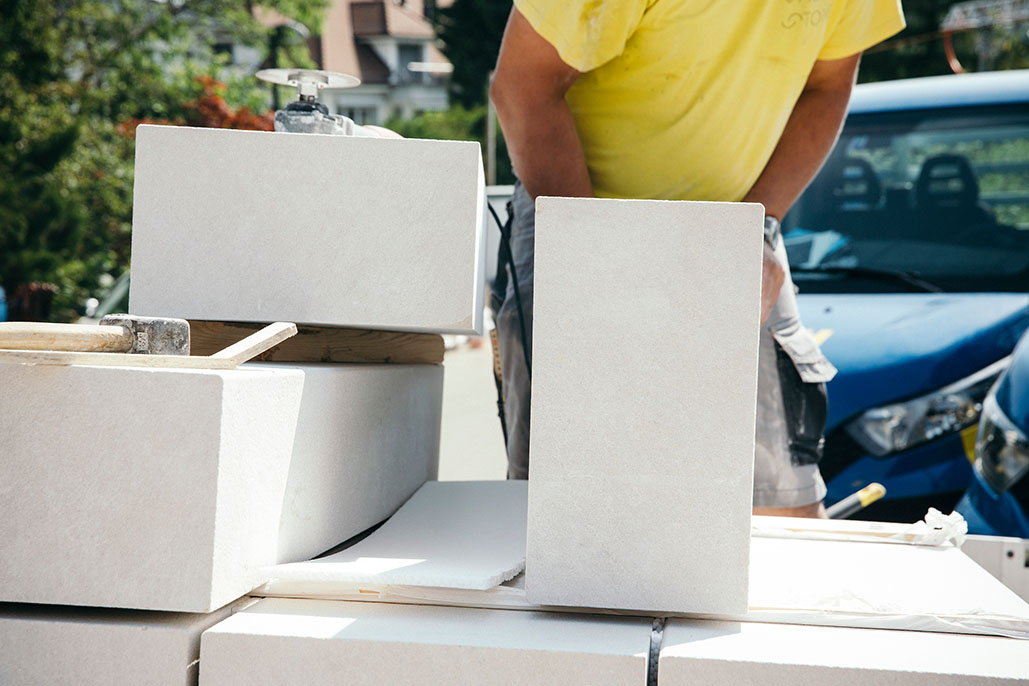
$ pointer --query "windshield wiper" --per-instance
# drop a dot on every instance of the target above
(881, 274)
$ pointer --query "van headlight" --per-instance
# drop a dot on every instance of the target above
(893, 428)
(1001, 448)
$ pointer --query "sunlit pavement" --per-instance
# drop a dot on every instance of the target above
(471, 444)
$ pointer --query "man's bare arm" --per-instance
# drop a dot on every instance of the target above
(528, 90)
(809, 136)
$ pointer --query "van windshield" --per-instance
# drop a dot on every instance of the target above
(918, 200)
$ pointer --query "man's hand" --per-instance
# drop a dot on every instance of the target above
(772, 277)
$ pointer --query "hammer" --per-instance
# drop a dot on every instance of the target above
(116, 333)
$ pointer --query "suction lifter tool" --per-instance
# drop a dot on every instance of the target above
(306, 114)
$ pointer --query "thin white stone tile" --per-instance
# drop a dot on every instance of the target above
(313, 642)
(44, 645)
(708, 653)
(454, 534)
(871, 584)
(367, 438)
(333, 230)
(644, 385)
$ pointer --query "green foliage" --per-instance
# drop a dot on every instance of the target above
(919, 49)
(471, 31)
(72, 74)
(456, 124)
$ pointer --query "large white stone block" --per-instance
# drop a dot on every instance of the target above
(61, 646)
(643, 399)
(314, 642)
(141, 488)
(175, 490)
(367, 438)
(701, 653)
(333, 230)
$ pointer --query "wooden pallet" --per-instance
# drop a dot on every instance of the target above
(325, 344)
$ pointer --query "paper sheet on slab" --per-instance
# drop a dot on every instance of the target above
(450, 534)
(879, 585)
(856, 580)
(919, 533)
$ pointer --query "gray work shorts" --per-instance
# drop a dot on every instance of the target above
(790, 412)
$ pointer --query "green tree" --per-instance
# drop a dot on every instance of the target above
(919, 49)
(456, 124)
(471, 31)
(72, 72)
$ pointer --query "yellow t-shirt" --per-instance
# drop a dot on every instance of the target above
(686, 99)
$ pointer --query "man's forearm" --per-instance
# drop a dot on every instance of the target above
(808, 138)
(528, 90)
(545, 149)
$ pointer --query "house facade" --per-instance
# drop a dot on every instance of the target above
(390, 46)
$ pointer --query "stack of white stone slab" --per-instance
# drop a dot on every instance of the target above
(174, 490)
(643, 405)
(62, 646)
(332, 230)
(315, 642)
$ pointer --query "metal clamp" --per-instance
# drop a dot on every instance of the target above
(772, 231)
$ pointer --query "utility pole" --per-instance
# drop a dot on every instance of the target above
(491, 136)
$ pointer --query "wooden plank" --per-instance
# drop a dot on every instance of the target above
(114, 359)
(324, 344)
(71, 337)
(228, 358)
(257, 342)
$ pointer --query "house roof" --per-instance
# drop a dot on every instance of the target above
(345, 24)
(388, 18)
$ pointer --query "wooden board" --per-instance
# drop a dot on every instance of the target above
(324, 344)
(229, 357)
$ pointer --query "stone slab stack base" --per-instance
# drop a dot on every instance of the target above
(315, 642)
(76, 646)
(707, 653)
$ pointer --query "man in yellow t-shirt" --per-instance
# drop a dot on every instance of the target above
(687, 100)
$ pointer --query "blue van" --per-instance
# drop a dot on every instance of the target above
(911, 253)
(997, 501)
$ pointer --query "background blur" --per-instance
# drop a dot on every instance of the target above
(76, 77)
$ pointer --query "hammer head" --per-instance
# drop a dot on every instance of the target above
(153, 335)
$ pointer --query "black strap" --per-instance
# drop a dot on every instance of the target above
(499, 291)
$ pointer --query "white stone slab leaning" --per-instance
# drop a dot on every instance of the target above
(141, 488)
(645, 340)
(367, 438)
(454, 534)
(331, 230)
(61, 646)
(312, 642)
(706, 653)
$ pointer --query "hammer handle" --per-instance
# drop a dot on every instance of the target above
(65, 337)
